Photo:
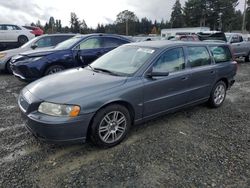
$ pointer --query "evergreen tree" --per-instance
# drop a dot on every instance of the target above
(177, 16)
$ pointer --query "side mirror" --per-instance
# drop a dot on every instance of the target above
(157, 74)
(34, 46)
(81, 58)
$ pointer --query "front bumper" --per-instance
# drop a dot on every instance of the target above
(51, 128)
(44, 128)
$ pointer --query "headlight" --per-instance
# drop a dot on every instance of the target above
(2, 55)
(34, 58)
(59, 109)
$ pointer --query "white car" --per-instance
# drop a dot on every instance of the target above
(14, 33)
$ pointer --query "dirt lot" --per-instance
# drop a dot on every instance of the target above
(197, 147)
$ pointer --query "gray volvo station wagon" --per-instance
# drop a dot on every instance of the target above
(129, 85)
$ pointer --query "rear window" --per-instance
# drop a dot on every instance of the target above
(221, 54)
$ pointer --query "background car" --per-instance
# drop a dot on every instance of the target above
(240, 47)
(14, 33)
(43, 41)
(185, 38)
(78, 51)
(37, 31)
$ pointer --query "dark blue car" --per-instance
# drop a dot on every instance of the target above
(75, 52)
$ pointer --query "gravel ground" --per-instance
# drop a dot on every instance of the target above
(196, 147)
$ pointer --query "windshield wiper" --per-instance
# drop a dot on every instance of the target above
(105, 70)
(91, 67)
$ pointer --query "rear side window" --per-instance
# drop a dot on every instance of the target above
(198, 56)
(221, 54)
(109, 42)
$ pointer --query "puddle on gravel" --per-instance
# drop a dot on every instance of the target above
(13, 156)
(11, 127)
(7, 107)
(3, 84)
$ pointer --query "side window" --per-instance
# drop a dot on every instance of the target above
(235, 39)
(221, 54)
(240, 39)
(198, 56)
(91, 43)
(44, 42)
(109, 42)
(10, 27)
(59, 39)
(171, 61)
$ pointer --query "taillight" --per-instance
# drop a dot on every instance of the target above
(232, 52)
(236, 64)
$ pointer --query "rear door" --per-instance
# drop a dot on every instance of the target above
(12, 33)
(3, 33)
(167, 92)
(203, 72)
(110, 43)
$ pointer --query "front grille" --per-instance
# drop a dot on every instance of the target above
(23, 103)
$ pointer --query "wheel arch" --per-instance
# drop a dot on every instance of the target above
(124, 103)
(225, 80)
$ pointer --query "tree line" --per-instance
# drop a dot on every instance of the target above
(215, 14)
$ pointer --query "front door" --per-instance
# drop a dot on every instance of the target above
(166, 92)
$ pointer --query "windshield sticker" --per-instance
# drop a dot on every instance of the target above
(146, 50)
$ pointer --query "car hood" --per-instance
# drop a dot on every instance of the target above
(40, 52)
(68, 86)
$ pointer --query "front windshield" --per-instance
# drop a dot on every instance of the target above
(124, 60)
(29, 42)
(67, 43)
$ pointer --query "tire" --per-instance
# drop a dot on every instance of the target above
(218, 94)
(22, 39)
(110, 126)
(247, 58)
(54, 69)
(8, 69)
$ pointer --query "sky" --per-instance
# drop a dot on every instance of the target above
(23, 12)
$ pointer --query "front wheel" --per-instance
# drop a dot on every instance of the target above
(218, 94)
(54, 69)
(8, 69)
(110, 125)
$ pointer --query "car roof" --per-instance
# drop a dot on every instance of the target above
(104, 34)
(167, 43)
(59, 34)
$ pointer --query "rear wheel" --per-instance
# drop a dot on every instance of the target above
(54, 69)
(110, 125)
(218, 94)
(22, 40)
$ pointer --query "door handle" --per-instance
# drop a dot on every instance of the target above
(212, 72)
(184, 78)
